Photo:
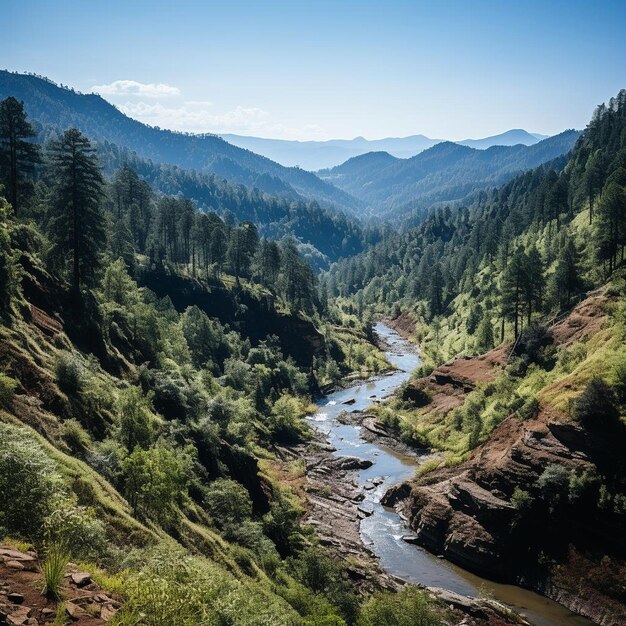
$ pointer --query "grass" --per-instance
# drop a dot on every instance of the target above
(57, 558)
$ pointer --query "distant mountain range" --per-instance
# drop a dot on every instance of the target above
(393, 188)
(374, 183)
(316, 155)
(59, 108)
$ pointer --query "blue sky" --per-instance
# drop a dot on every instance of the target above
(320, 70)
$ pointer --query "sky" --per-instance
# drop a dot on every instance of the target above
(330, 69)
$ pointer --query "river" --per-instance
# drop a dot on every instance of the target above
(383, 530)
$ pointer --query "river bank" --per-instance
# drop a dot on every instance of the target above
(344, 498)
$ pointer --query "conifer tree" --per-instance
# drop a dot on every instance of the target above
(18, 155)
(77, 228)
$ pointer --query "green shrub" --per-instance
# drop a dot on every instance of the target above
(596, 407)
(70, 373)
(554, 483)
(7, 390)
(228, 502)
(75, 436)
(30, 484)
(78, 528)
(155, 480)
(136, 422)
(409, 607)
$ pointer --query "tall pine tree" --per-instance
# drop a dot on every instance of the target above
(18, 155)
(77, 229)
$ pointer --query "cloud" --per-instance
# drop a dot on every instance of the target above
(197, 117)
(134, 88)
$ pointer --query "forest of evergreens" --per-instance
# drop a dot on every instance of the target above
(164, 332)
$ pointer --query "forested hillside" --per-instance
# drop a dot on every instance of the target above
(323, 235)
(518, 301)
(403, 189)
(58, 108)
(153, 358)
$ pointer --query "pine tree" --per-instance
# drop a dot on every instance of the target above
(218, 246)
(18, 156)
(534, 282)
(512, 290)
(567, 276)
(77, 229)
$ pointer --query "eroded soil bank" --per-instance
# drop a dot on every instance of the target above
(351, 465)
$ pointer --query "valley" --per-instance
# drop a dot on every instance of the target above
(387, 392)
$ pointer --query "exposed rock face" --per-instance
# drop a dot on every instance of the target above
(466, 514)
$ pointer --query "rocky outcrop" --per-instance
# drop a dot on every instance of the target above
(466, 513)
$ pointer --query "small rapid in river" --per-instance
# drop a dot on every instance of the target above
(382, 531)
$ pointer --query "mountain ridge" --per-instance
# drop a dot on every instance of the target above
(316, 155)
(57, 107)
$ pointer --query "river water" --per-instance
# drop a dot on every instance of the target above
(383, 530)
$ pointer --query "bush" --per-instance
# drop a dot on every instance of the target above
(79, 529)
(69, 373)
(75, 436)
(154, 480)
(7, 390)
(409, 607)
(136, 423)
(286, 419)
(30, 484)
(228, 502)
(596, 405)
(554, 483)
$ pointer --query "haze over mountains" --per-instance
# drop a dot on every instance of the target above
(448, 171)
(317, 155)
(289, 199)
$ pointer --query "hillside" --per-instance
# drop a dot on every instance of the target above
(57, 108)
(324, 234)
(517, 301)
(402, 188)
(317, 155)
(542, 496)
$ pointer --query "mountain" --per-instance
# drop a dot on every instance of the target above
(446, 172)
(509, 138)
(58, 108)
(517, 299)
(325, 234)
(316, 155)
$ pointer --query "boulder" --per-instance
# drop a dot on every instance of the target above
(81, 579)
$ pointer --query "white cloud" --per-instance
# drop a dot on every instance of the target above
(194, 116)
(134, 88)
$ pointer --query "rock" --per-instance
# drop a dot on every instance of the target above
(81, 579)
(16, 555)
(412, 539)
(15, 565)
(367, 508)
(19, 616)
(349, 402)
(352, 463)
(15, 598)
(107, 612)
(74, 611)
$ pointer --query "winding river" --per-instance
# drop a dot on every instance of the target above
(383, 530)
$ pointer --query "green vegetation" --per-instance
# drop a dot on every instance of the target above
(410, 607)
(153, 356)
(56, 559)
